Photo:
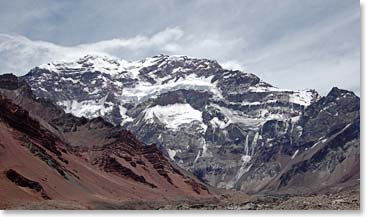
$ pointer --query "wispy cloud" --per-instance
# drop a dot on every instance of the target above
(19, 54)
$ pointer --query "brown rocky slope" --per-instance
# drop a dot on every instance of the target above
(75, 162)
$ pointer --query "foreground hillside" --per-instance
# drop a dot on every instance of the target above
(49, 157)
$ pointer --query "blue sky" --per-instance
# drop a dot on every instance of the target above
(288, 43)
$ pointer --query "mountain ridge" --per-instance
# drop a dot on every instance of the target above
(211, 121)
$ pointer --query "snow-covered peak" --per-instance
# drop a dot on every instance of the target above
(93, 63)
(115, 67)
(101, 85)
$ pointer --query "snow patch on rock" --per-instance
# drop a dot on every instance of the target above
(175, 115)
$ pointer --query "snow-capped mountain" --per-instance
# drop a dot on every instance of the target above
(210, 120)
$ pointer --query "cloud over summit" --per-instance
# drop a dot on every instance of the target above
(27, 53)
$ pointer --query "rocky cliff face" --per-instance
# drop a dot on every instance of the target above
(222, 125)
(320, 151)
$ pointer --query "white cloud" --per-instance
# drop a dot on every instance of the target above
(233, 65)
(167, 37)
(19, 54)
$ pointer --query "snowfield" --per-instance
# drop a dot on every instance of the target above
(175, 115)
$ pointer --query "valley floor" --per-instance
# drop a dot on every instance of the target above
(345, 200)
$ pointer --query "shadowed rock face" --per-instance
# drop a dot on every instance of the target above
(22, 181)
(20, 120)
(321, 152)
(111, 165)
(10, 82)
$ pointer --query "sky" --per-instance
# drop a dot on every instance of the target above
(287, 43)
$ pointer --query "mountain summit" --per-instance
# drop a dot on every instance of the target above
(223, 125)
